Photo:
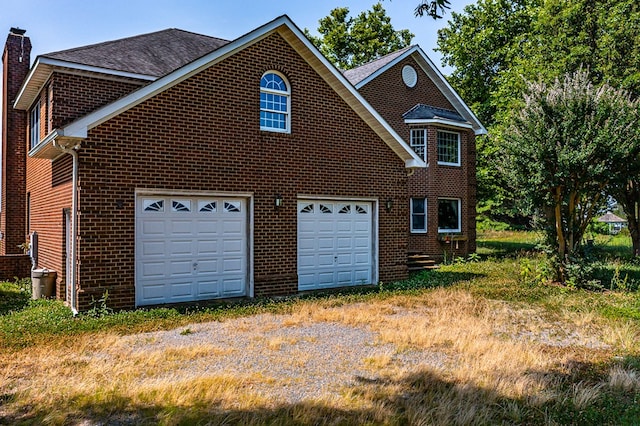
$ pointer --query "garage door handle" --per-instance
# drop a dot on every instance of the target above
(195, 265)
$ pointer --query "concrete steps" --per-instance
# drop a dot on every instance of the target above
(420, 262)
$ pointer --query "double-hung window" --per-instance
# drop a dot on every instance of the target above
(448, 148)
(419, 215)
(419, 142)
(275, 106)
(449, 215)
(34, 125)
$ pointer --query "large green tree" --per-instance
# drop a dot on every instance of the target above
(349, 42)
(495, 46)
(563, 149)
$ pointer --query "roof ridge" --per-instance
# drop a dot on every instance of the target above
(129, 38)
(395, 52)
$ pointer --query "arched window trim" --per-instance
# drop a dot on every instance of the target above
(286, 94)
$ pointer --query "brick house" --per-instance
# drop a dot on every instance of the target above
(407, 89)
(175, 167)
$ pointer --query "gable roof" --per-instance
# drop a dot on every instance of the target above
(154, 54)
(356, 75)
(364, 74)
(72, 133)
(144, 57)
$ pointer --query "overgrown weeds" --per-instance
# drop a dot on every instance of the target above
(479, 342)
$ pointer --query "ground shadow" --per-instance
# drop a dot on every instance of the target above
(422, 397)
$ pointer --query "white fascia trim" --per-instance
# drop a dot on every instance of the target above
(80, 67)
(123, 104)
(353, 91)
(440, 121)
(383, 69)
(43, 67)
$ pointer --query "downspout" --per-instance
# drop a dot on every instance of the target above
(74, 220)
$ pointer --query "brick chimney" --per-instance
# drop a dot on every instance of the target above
(15, 67)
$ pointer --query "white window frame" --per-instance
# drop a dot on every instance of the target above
(445, 163)
(286, 94)
(412, 214)
(417, 140)
(34, 125)
(447, 230)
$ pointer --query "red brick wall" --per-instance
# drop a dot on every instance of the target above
(65, 98)
(392, 98)
(68, 102)
(15, 66)
(203, 135)
(14, 266)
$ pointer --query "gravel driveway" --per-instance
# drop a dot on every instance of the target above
(296, 362)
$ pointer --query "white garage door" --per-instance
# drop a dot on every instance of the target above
(190, 248)
(334, 244)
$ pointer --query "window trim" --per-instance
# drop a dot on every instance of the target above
(34, 125)
(412, 214)
(447, 230)
(424, 141)
(446, 163)
(286, 94)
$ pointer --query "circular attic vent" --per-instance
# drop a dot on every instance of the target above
(409, 76)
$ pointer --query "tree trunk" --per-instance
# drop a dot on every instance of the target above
(560, 238)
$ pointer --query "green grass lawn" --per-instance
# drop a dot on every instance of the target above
(497, 279)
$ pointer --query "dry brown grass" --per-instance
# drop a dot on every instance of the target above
(500, 361)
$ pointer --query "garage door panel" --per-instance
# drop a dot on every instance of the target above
(208, 288)
(362, 276)
(233, 227)
(233, 286)
(207, 226)
(180, 248)
(207, 247)
(181, 289)
(193, 250)
(153, 269)
(344, 226)
(361, 258)
(363, 226)
(325, 243)
(233, 246)
(325, 279)
(305, 244)
(307, 260)
(324, 260)
(345, 242)
(362, 243)
(232, 265)
(208, 266)
(178, 268)
(324, 226)
(181, 227)
(343, 259)
(334, 244)
(345, 277)
(153, 227)
(154, 292)
(153, 248)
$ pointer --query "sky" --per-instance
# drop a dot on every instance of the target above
(54, 25)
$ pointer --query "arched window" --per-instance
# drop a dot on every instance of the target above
(274, 103)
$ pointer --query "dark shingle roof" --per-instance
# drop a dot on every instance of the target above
(356, 75)
(427, 112)
(154, 54)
